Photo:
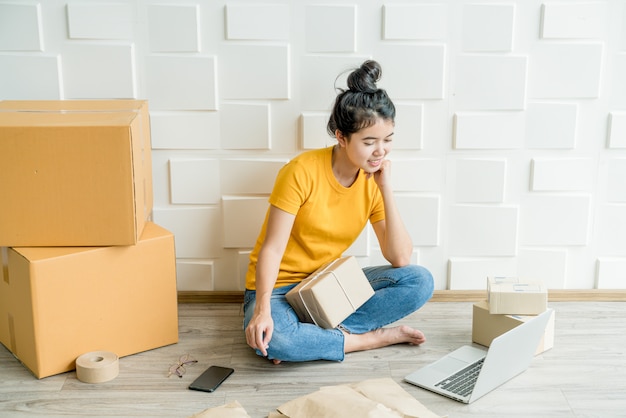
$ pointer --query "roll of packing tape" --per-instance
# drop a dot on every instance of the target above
(97, 367)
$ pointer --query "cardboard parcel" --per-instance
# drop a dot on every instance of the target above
(331, 293)
(516, 296)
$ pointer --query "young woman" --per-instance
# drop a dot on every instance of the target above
(320, 203)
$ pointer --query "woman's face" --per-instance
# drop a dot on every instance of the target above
(368, 147)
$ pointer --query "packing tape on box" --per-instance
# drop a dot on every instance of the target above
(97, 367)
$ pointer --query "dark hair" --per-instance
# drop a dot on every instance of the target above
(362, 103)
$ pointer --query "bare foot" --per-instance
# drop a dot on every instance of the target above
(383, 337)
(276, 361)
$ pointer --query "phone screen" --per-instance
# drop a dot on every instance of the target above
(211, 378)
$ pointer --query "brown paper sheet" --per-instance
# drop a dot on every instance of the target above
(231, 410)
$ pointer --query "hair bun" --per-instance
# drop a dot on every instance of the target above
(364, 78)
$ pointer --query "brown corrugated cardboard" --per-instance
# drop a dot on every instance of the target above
(57, 303)
(74, 173)
(515, 296)
(331, 293)
(487, 326)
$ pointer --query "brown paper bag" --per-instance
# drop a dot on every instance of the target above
(231, 410)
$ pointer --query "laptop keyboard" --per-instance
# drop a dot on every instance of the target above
(462, 382)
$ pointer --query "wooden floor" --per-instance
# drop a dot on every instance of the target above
(584, 375)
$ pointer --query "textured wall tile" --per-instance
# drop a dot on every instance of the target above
(617, 92)
(565, 70)
(480, 181)
(185, 130)
(30, 77)
(415, 21)
(245, 126)
(181, 82)
(488, 27)
(551, 125)
(562, 174)
(197, 230)
(195, 181)
(99, 72)
(617, 130)
(485, 82)
(421, 216)
(489, 130)
(361, 246)
(408, 131)
(616, 187)
(472, 273)
(241, 76)
(483, 231)
(243, 260)
(549, 266)
(100, 21)
(331, 28)
(610, 231)
(555, 220)
(610, 273)
(401, 64)
(257, 21)
(313, 130)
(574, 20)
(242, 219)
(192, 275)
(20, 27)
(174, 28)
(417, 175)
(251, 176)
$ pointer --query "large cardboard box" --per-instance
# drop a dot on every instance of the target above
(57, 303)
(74, 173)
(487, 326)
(331, 293)
(515, 296)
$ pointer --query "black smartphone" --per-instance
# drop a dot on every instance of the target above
(211, 378)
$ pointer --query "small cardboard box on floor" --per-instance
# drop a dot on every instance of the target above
(487, 326)
(57, 303)
(74, 173)
(331, 293)
(515, 296)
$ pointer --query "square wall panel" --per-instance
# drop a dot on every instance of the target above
(313, 132)
(241, 76)
(197, 230)
(243, 261)
(417, 175)
(611, 273)
(236, 176)
(488, 82)
(480, 181)
(574, 20)
(472, 273)
(242, 21)
(20, 27)
(546, 265)
(242, 219)
(415, 21)
(330, 28)
(571, 71)
(402, 63)
(485, 231)
(421, 216)
(617, 130)
(100, 21)
(178, 82)
(504, 130)
(195, 181)
(408, 130)
(174, 28)
(562, 174)
(185, 130)
(361, 246)
(245, 126)
(99, 72)
(617, 93)
(488, 27)
(194, 275)
(555, 220)
(551, 125)
(610, 231)
(616, 187)
(28, 77)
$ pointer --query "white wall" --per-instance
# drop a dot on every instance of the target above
(510, 150)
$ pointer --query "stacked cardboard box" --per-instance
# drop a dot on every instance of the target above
(83, 267)
(511, 301)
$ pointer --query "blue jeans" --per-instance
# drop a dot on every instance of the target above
(398, 292)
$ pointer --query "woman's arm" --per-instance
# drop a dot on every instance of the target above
(261, 326)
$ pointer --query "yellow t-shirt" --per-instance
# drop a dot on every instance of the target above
(329, 216)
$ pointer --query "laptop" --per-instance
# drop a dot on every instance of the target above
(470, 372)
